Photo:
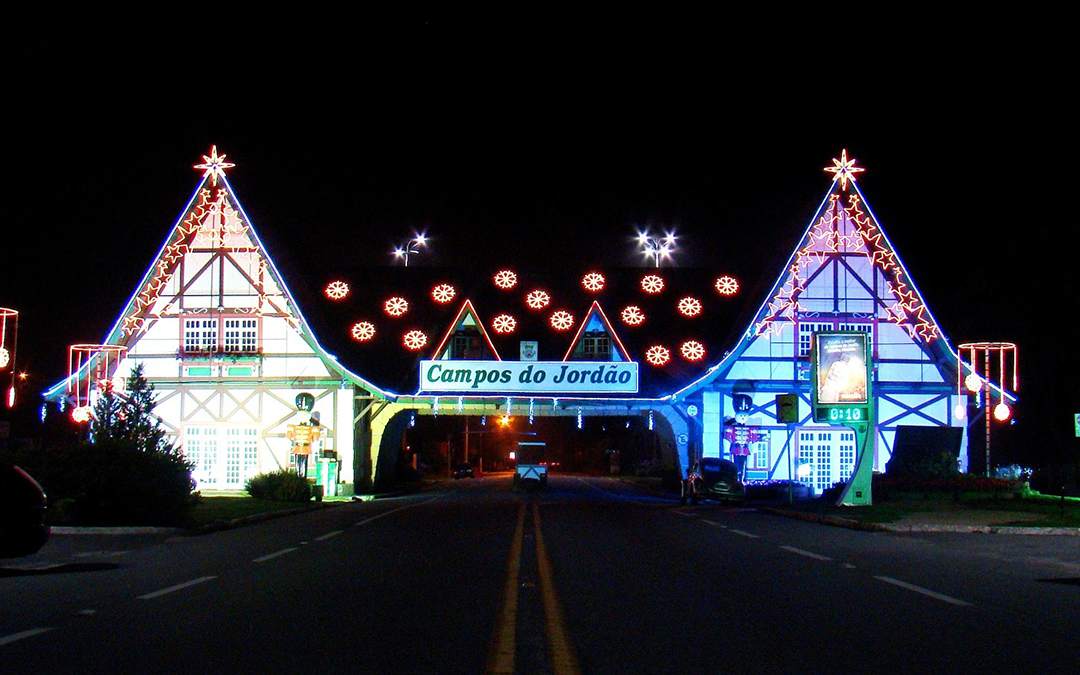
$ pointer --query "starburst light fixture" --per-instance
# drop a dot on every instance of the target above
(214, 165)
(656, 248)
(411, 247)
(844, 169)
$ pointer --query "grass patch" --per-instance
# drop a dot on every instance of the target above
(218, 509)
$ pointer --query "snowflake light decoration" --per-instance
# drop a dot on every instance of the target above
(396, 306)
(692, 350)
(506, 279)
(657, 355)
(337, 290)
(414, 340)
(726, 285)
(443, 293)
(593, 281)
(689, 306)
(633, 316)
(504, 323)
(538, 299)
(652, 283)
(562, 320)
(363, 331)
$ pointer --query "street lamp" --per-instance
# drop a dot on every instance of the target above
(411, 247)
(655, 247)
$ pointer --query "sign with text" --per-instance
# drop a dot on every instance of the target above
(529, 377)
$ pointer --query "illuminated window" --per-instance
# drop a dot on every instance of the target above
(465, 346)
(200, 335)
(241, 335)
(225, 457)
(596, 347)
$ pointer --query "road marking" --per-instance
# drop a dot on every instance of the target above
(177, 587)
(275, 554)
(560, 648)
(400, 508)
(808, 554)
(501, 653)
(328, 535)
(714, 524)
(15, 637)
(743, 534)
(925, 591)
(684, 514)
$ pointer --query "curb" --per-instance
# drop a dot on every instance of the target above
(890, 527)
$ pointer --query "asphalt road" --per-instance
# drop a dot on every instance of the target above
(589, 576)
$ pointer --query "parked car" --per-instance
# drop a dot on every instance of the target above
(713, 478)
(22, 513)
(463, 470)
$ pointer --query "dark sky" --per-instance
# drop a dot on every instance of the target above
(549, 142)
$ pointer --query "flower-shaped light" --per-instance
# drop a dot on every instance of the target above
(657, 355)
(692, 350)
(689, 306)
(337, 290)
(414, 340)
(562, 320)
(396, 306)
(363, 331)
(537, 299)
(652, 283)
(506, 279)
(443, 293)
(726, 285)
(504, 323)
(633, 316)
(593, 281)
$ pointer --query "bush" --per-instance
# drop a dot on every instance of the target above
(111, 483)
(279, 486)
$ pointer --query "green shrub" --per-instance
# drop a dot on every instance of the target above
(111, 483)
(279, 486)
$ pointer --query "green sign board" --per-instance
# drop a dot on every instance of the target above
(840, 372)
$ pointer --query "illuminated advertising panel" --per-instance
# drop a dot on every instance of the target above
(840, 367)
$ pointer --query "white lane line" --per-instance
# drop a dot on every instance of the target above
(177, 587)
(15, 637)
(714, 524)
(924, 591)
(808, 554)
(685, 514)
(275, 554)
(400, 508)
(743, 534)
(328, 535)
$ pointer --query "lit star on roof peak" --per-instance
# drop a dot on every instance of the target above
(214, 165)
(844, 169)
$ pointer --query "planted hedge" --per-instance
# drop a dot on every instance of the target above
(279, 486)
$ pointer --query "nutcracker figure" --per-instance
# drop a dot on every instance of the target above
(740, 435)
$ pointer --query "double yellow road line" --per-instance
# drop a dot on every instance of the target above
(560, 650)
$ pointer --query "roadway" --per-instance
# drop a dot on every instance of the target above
(589, 576)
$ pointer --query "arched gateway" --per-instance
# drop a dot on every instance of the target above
(223, 340)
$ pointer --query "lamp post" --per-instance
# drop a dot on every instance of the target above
(655, 247)
(411, 247)
(987, 351)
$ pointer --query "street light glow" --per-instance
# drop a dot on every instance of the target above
(656, 248)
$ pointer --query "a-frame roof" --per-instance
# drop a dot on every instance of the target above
(466, 318)
(595, 319)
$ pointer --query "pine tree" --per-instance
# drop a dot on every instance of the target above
(130, 418)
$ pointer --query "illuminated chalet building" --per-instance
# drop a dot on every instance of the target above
(233, 348)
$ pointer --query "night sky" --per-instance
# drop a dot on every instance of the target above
(548, 144)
